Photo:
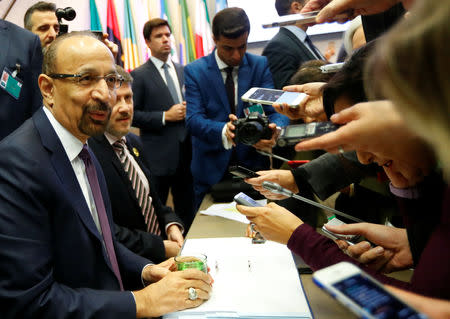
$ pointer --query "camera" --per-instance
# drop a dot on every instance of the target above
(68, 14)
(251, 129)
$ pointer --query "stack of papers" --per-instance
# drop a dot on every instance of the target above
(229, 211)
(250, 281)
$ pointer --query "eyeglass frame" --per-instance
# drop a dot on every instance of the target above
(120, 79)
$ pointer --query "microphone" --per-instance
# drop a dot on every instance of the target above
(278, 189)
(273, 155)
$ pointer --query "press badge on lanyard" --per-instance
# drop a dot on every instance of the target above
(11, 83)
(254, 108)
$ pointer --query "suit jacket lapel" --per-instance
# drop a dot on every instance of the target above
(180, 76)
(244, 78)
(4, 40)
(64, 170)
(156, 76)
(298, 43)
(215, 76)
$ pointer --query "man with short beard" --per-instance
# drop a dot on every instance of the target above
(137, 228)
(59, 258)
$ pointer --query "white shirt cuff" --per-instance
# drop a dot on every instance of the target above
(144, 283)
(164, 118)
(175, 223)
(225, 142)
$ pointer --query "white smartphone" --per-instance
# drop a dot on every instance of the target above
(271, 96)
(362, 294)
(334, 221)
(290, 19)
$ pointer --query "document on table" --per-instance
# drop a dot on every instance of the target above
(228, 211)
(250, 280)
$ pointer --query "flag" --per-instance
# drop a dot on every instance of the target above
(165, 14)
(131, 52)
(112, 28)
(203, 37)
(221, 4)
(96, 24)
(187, 38)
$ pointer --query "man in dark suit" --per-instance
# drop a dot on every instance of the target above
(59, 258)
(41, 19)
(290, 47)
(20, 56)
(214, 85)
(160, 111)
(127, 211)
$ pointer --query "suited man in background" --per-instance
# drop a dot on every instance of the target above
(160, 113)
(128, 213)
(58, 257)
(41, 19)
(20, 66)
(214, 85)
(290, 47)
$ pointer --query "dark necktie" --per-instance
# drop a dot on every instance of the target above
(229, 86)
(313, 48)
(101, 211)
(171, 84)
(142, 195)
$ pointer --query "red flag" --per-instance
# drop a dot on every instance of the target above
(112, 28)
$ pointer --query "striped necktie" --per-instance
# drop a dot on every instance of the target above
(142, 194)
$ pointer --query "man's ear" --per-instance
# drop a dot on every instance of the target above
(296, 7)
(46, 85)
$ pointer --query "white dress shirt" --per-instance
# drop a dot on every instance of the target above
(73, 146)
(222, 66)
(173, 73)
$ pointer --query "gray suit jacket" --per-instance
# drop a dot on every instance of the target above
(151, 99)
(285, 53)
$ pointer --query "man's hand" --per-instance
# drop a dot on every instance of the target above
(174, 234)
(346, 9)
(272, 221)
(154, 273)
(266, 145)
(279, 176)
(177, 112)
(229, 133)
(392, 253)
(310, 108)
(114, 48)
(171, 293)
(172, 248)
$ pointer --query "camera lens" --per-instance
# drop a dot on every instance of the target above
(250, 133)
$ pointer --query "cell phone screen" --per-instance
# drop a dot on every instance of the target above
(374, 299)
(266, 95)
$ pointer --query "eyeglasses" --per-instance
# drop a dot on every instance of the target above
(114, 81)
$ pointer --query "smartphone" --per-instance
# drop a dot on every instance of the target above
(271, 96)
(243, 199)
(242, 172)
(290, 19)
(292, 134)
(334, 221)
(362, 294)
(331, 68)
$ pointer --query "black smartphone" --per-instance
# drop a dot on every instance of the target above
(242, 172)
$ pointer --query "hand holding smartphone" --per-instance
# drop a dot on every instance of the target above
(243, 199)
(362, 294)
(242, 172)
(271, 96)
